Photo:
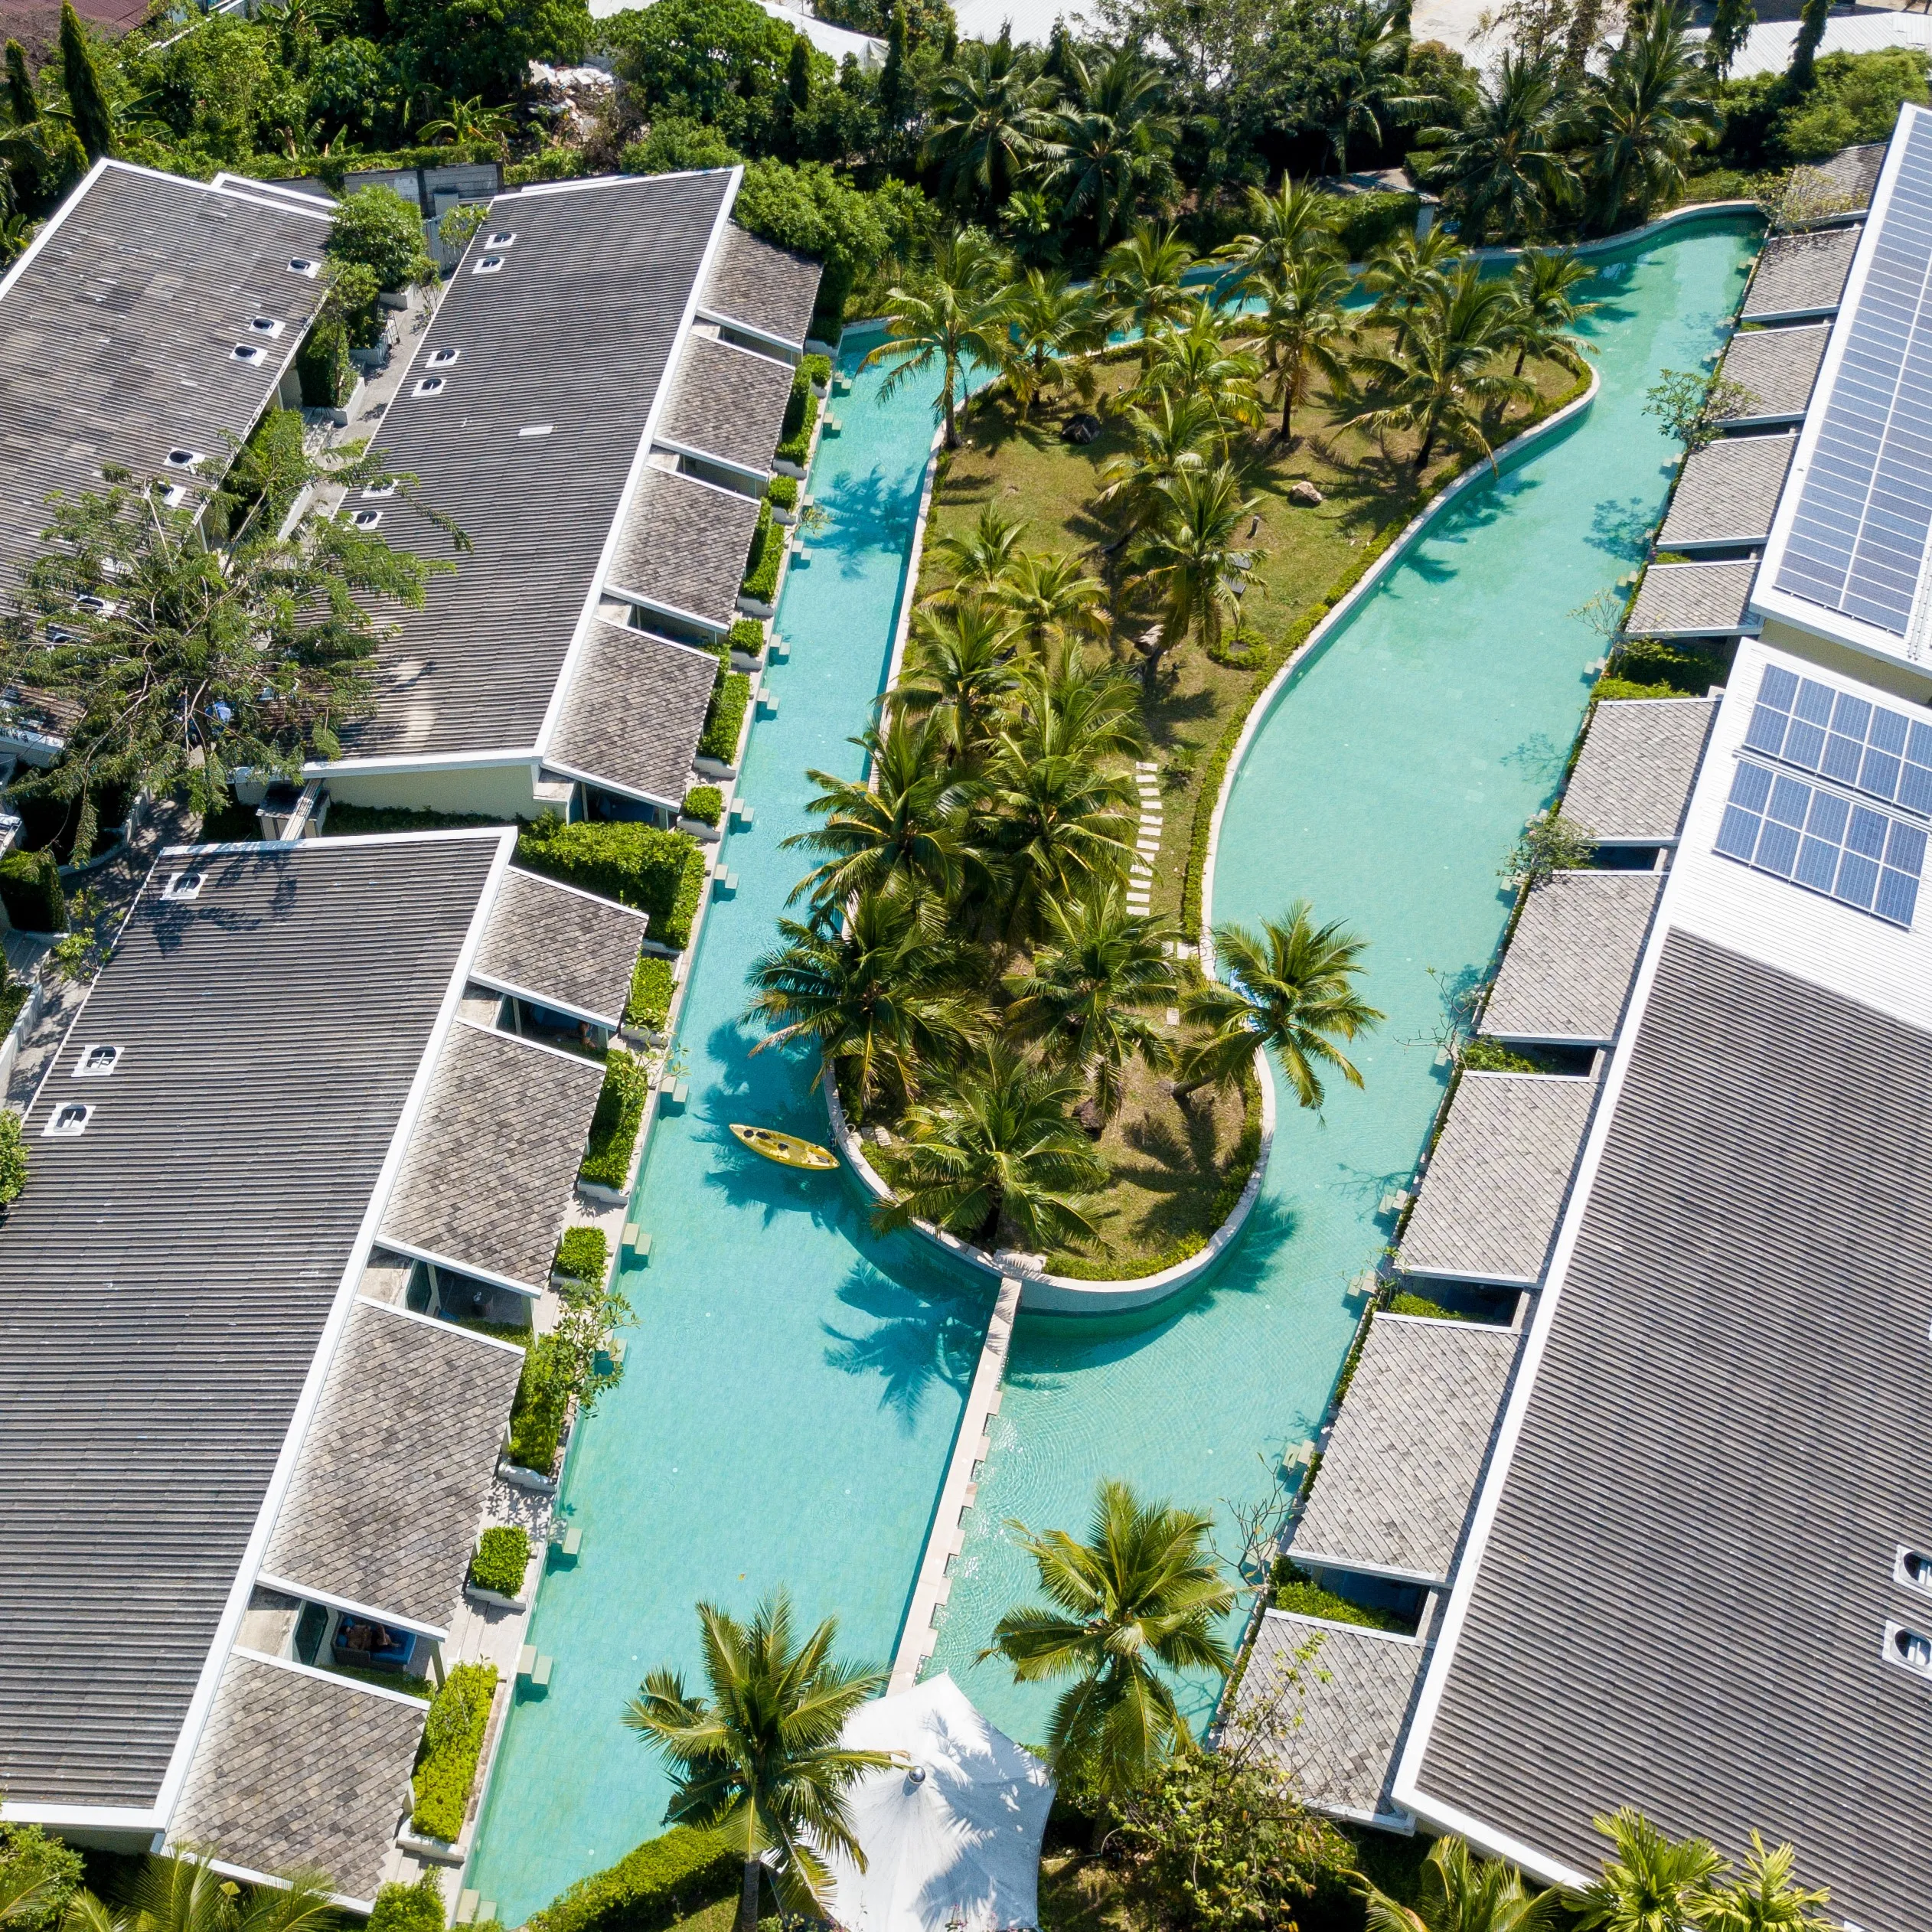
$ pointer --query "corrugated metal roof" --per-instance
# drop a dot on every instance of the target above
(729, 403)
(1801, 275)
(165, 1278)
(117, 337)
(1494, 1192)
(1777, 366)
(396, 1467)
(637, 713)
(1633, 776)
(574, 332)
(493, 1158)
(566, 949)
(1727, 493)
(1694, 600)
(1572, 957)
(1682, 1602)
(770, 290)
(1400, 1468)
(684, 549)
(299, 1770)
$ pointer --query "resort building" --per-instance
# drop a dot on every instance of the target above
(295, 1175)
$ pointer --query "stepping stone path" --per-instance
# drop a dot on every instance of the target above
(1139, 885)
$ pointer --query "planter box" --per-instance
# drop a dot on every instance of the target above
(570, 1285)
(740, 661)
(713, 767)
(593, 1190)
(520, 1478)
(785, 467)
(698, 829)
(483, 1596)
(751, 607)
(431, 1851)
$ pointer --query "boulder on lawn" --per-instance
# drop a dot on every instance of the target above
(1305, 495)
(1081, 427)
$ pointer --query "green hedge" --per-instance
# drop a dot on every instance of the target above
(659, 872)
(410, 1908)
(323, 367)
(652, 982)
(795, 418)
(725, 719)
(784, 492)
(1367, 221)
(536, 1415)
(362, 821)
(748, 633)
(767, 553)
(664, 1879)
(452, 1741)
(584, 1254)
(795, 445)
(30, 888)
(502, 1557)
(705, 803)
(614, 1126)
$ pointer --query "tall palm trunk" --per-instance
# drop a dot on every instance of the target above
(952, 416)
(747, 1897)
(1287, 404)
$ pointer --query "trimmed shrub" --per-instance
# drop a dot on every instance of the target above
(410, 1908)
(584, 1256)
(376, 228)
(502, 1557)
(30, 888)
(725, 719)
(704, 802)
(323, 367)
(652, 983)
(537, 1416)
(761, 562)
(636, 1894)
(748, 634)
(661, 873)
(614, 1126)
(800, 417)
(784, 492)
(817, 369)
(452, 1741)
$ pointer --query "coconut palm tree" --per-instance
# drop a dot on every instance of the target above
(973, 562)
(1767, 1897)
(1291, 986)
(907, 823)
(1304, 329)
(988, 123)
(1654, 1883)
(1144, 1590)
(1050, 827)
(1195, 361)
(1112, 142)
(997, 1144)
(1141, 278)
(959, 677)
(1284, 227)
(1503, 165)
(1075, 707)
(187, 1894)
(1542, 311)
(958, 314)
(881, 992)
(1170, 433)
(1461, 1893)
(1648, 118)
(1089, 998)
(1438, 377)
(1405, 274)
(1192, 558)
(1049, 321)
(1354, 61)
(1050, 598)
(759, 1762)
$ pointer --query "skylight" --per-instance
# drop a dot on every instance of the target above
(174, 495)
(1909, 1648)
(300, 264)
(442, 358)
(429, 386)
(97, 1061)
(535, 429)
(183, 884)
(265, 325)
(183, 459)
(367, 519)
(488, 266)
(503, 238)
(67, 1122)
(250, 352)
(1913, 1568)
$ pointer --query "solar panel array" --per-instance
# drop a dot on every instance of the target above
(1808, 724)
(1864, 515)
(1819, 840)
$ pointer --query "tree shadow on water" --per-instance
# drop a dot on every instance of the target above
(1620, 527)
(915, 1340)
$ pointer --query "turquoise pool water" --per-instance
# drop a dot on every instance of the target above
(1387, 786)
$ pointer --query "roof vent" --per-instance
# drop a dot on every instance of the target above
(503, 238)
(535, 429)
(429, 386)
(916, 1775)
(265, 325)
(488, 266)
(300, 264)
(379, 491)
(367, 519)
(183, 884)
(1909, 1649)
(183, 459)
(96, 606)
(174, 495)
(1912, 1568)
(97, 1061)
(442, 358)
(68, 1121)
(249, 352)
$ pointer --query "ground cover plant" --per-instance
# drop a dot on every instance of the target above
(452, 1742)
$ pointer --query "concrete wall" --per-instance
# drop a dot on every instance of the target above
(498, 791)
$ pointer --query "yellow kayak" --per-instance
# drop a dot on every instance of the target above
(786, 1149)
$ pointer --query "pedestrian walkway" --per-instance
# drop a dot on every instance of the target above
(1140, 889)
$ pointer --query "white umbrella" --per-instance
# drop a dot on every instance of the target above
(952, 1836)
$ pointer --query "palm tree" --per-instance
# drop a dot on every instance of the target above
(187, 1894)
(1406, 274)
(1195, 361)
(1086, 1000)
(1144, 1590)
(1076, 708)
(759, 1761)
(988, 123)
(1188, 558)
(997, 1144)
(1049, 320)
(1052, 827)
(1141, 278)
(1304, 328)
(463, 121)
(1291, 987)
(1050, 600)
(906, 824)
(1355, 62)
(1812, 19)
(974, 562)
(1542, 311)
(1438, 377)
(1293, 223)
(1648, 117)
(1504, 165)
(1464, 1895)
(1652, 1884)
(959, 312)
(1170, 433)
(1767, 1897)
(1112, 143)
(959, 676)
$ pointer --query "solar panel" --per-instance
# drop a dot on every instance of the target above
(1818, 840)
(1864, 516)
(1808, 724)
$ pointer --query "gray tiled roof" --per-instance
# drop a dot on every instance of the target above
(1401, 1465)
(1854, 172)
(685, 547)
(165, 1278)
(575, 331)
(1682, 1601)
(1694, 600)
(1352, 1697)
(1572, 957)
(1778, 366)
(396, 1466)
(729, 403)
(117, 339)
(494, 1156)
(1801, 275)
(1727, 493)
(1494, 1191)
(570, 949)
(297, 1769)
(636, 713)
(1633, 779)
(770, 290)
